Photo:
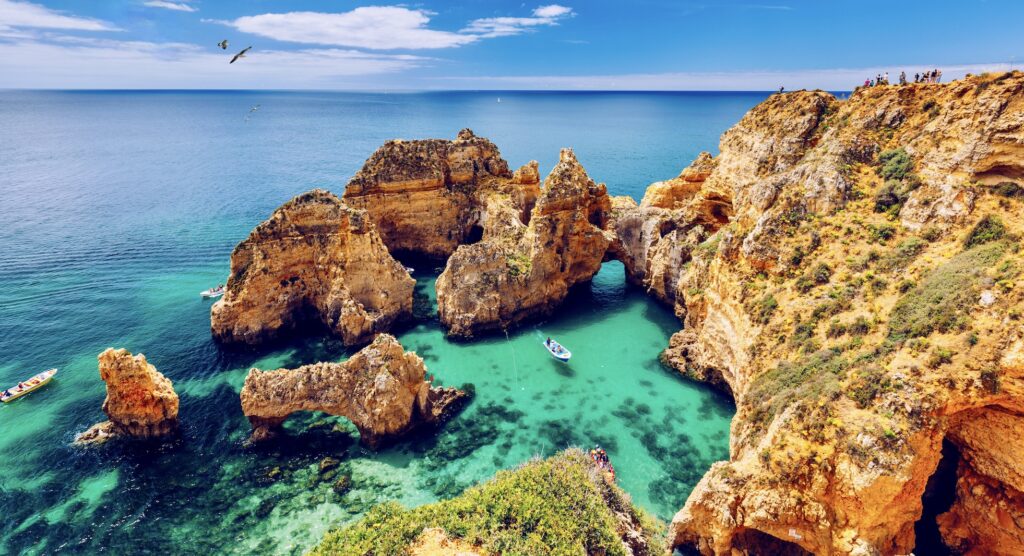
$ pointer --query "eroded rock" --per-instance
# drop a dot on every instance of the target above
(140, 403)
(381, 389)
(314, 262)
(518, 270)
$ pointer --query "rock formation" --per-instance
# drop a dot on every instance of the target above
(427, 196)
(848, 271)
(140, 403)
(521, 270)
(315, 261)
(381, 389)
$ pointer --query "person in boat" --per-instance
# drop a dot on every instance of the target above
(548, 341)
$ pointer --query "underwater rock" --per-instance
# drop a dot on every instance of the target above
(428, 196)
(381, 389)
(316, 262)
(519, 271)
(140, 403)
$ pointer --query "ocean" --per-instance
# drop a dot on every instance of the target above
(119, 207)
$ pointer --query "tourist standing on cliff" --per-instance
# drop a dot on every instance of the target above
(938, 76)
(903, 78)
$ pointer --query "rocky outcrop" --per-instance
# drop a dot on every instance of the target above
(519, 270)
(860, 302)
(140, 403)
(428, 196)
(381, 389)
(314, 262)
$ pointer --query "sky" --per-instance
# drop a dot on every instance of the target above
(499, 44)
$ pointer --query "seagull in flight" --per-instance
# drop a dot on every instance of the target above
(223, 44)
(240, 54)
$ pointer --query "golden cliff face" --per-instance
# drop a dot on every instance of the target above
(140, 403)
(520, 270)
(382, 389)
(424, 196)
(860, 299)
(317, 262)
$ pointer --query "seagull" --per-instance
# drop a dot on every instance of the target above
(223, 44)
(240, 54)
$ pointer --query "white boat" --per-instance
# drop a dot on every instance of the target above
(557, 350)
(27, 387)
(410, 269)
(213, 292)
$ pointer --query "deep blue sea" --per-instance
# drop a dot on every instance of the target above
(117, 208)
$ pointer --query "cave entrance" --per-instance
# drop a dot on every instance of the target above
(475, 234)
(939, 495)
(753, 542)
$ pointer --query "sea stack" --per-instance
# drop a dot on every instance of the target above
(316, 262)
(522, 270)
(382, 389)
(140, 403)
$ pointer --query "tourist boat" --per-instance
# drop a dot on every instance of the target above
(557, 350)
(30, 385)
(213, 292)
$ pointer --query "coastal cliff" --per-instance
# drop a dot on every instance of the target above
(382, 389)
(140, 403)
(314, 262)
(428, 196)
(848, 271)
(522, 270)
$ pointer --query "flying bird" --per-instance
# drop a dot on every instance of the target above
(240, 54)
(223, 44)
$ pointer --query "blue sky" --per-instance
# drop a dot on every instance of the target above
(497, 44)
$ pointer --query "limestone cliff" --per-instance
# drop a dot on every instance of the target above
(140, 403)
(426, 196)
(381, 389)
(849, 271)
(318, 262)
(521, 270)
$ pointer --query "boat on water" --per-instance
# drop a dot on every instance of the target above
(410, 269)
(28, 386)
(557, 350)
(213, 292)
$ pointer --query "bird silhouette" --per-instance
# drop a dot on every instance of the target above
(223, 44)
(240, 54)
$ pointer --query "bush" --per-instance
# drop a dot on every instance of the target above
(814, 377)
(894, 192)
(931, 233)
(765, 307)
(989, 228)
(942, 298)
(869, 383)
(939, 357)
(1009, 189)
(860, 327)
(990, 379)
(895, 164)
(555, 506)
(822, 273)
(882, 232)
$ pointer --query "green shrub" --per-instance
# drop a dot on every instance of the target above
(894, 192)
(990, 379)
(1009, 189)
(860, 326)
(555, 506)
(939, 357)
(835, 329)
(931, 233)
(881, 233)
(895, 164)
(804, 284)
(764, 309)
(905, 285)
(814, 377)
(871, 381)
(822, 273)
(989, 228)
(942, 298)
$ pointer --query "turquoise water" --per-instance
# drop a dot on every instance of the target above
(119, 207)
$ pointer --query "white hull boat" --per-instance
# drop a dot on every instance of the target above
(557, 350)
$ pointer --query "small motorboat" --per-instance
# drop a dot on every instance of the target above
(212, 292)
(557, 350)
(27, 387)
(410, 269)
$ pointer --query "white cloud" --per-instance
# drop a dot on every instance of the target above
(177, 6)
(27, 14)
(69, 62)
(373, 27)
(506, 26)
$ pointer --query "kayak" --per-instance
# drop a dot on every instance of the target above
(557, 350)
(212, 292)
(29, 386)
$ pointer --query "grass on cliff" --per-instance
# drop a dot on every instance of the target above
(555, 506)
(941, 301)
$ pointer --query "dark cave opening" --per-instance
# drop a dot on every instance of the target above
(939, 495)
(475, 234)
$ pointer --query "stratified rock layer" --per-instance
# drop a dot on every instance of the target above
(860, 301)
(381, 389)
(140, 403)
(427, 196)
(315, 261)
(518, 270)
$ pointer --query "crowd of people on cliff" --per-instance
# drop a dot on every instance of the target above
(932, 76)
(600, 458)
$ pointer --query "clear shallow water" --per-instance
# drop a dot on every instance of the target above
(119, 207)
